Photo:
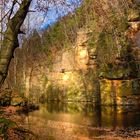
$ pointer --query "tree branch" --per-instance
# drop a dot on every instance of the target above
(5, 16)
(10, 41)
(19, 17)
(11, 10)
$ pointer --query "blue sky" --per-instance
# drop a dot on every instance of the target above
(41, 20)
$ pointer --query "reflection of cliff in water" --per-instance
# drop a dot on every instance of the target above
(75, 120)
(104, 116)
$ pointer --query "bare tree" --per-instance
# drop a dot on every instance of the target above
(10, 36)
(13, 19)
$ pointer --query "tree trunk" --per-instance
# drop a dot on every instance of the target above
(10, 41)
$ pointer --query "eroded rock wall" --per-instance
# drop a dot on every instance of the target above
(120, 74)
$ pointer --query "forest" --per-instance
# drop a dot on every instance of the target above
(69, 69)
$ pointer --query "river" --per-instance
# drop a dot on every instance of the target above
(79, 121)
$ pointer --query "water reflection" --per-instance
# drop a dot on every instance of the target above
(79, 121)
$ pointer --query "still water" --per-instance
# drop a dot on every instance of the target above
(75, 121)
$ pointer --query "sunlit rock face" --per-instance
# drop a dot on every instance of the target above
(73, 74)
(70, 77)
(81, 51)
(120, 92)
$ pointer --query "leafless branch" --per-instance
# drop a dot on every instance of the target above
(5, 16)
(12, 8)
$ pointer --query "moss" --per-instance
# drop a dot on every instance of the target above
(125, 88)
(5, 97)
(114, 73)
(136, 87)
(114, 58)
(134, 67)
(5, 124)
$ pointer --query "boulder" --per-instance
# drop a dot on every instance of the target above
(18, 100)
(9, 97)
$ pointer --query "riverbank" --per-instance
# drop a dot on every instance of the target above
(9, 127)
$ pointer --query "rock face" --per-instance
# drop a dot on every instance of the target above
(120, 79)
(70, 78)
(101, 66)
